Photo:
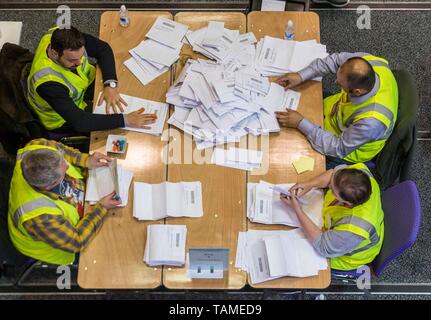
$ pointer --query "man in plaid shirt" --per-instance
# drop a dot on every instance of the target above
(46, 201)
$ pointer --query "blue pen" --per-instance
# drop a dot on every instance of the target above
(287, 193)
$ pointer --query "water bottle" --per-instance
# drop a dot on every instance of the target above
(289, 32)
(124, 16)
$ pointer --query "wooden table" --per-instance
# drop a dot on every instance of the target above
(289, 144)
(223, 189)
(114, 258)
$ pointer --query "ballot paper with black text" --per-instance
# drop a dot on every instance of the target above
(160, 109)
(167, 199)
(265, 206)
(165, 245)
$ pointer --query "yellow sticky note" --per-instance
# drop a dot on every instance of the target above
(304, 164)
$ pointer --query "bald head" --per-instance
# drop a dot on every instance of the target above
(357, 76)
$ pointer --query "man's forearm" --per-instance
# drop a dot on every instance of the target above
(329, 64)
(310, 229)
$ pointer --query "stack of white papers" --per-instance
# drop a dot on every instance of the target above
(167, 199)
(134, 104)
(166, 245)
(154, 56)
(237, 158)
(105, 180)
(276, 57)
(265, 206)
(269, 255)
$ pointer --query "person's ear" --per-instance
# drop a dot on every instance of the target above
(55, 54)
(358, 92)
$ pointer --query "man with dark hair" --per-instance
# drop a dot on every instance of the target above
(352, 216)
(61, 79)
(359, 119)
(356, 186)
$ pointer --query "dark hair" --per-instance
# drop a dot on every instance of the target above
(63, 39)
(361, 79)
(353, 185)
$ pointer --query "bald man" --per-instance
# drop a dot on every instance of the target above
(359, 119)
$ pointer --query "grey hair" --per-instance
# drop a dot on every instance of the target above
(41, 167)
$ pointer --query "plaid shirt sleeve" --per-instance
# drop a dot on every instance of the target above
(59, 233)
(71, 155)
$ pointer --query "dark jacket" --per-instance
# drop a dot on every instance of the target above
(394, 161)
(17, 122)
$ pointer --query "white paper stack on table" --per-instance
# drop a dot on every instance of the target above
(276, 57)
(167, 199)
(265, 206)
(104, 180)
(154, 56)
(134, 104)
(237, 158)
(269, 255)
(165, 245)
(220, 101)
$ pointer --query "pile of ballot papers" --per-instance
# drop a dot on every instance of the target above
(154, 56)
(167, 199)
(220, 101)
(269, 255)
(166, 245)
(265, 206)
(151, 107)
(105, 180)
(218, 106)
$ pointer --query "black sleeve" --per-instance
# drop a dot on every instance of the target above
(102, 51)
(58, 98)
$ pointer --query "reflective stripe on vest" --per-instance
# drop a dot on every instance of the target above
(47, 72)
(378, 63)
(29, 206)
(380, 108)
(365, 225)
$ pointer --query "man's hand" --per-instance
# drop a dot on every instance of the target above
(138, 120)
(289, 80)
(98, 159)
(291, 202)
(113, 99)
(109, 202)
(290, 118)
(301, 189)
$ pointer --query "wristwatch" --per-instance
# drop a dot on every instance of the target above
(110, 83)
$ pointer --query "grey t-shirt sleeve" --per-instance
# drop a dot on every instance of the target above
(336, 243)
(354, 136)
(330, 64)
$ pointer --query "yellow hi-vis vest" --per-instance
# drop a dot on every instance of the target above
(383, 106)
(43, 69)
(365, 220)
(26, 203)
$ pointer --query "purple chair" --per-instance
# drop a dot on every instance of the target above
(402, 208)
